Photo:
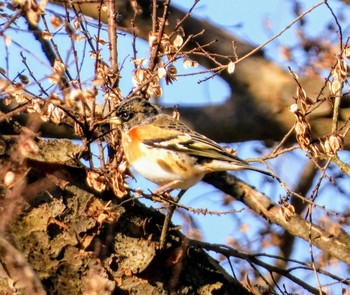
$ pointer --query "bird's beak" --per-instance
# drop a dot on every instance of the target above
(114, 120)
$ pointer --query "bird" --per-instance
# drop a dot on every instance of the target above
(166, 151)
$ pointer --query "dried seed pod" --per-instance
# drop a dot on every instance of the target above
(152, 39)
(46, 35)
(8, 40)
(9, 179)
(188, 63)
(178, 41)
(56, 21)
(342, 68)
(231, 67)
(78, 130)
(28, 147)
(335, 87)
(301, 94)
(58, 66)
(161, 72)
(347, 52)
(35, 106)
(139, 61)
(287, 211)
(118, 185)
(294, 108)
(96, 181)
(333, 144)
(55, 114)
(33, 16)
(170, 74)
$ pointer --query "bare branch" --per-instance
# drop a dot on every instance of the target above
(336, 245)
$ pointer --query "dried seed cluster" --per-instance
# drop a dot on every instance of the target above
(339, 75)
(330, 144)
(32, 9)
(146, 81)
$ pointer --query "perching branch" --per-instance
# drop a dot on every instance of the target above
(336, 245)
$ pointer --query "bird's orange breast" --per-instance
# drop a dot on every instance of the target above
(133, 141)
(132, 145)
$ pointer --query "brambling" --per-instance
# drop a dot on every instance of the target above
(166, 151)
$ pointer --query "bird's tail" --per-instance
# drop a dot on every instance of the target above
(253, 168)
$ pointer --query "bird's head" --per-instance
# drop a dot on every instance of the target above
(134, 111)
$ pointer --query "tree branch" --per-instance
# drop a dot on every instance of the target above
(336, 245)
(261, 91)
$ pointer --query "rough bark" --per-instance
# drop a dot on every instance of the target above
(73, 240)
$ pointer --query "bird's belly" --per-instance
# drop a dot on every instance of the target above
(167, 167)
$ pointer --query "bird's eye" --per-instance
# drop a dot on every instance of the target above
(125, 116)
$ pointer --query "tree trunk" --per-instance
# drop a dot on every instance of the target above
(74, 240)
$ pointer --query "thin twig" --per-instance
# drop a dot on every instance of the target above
(171, 209)
(76, 59)
(338, 25)
(11, 20)
(187, 15)
(24, 61)
(160, 32)
(253, 261)
(171, 60)
(112, 35)
(281, 32)
(161, 198)
(313, 263)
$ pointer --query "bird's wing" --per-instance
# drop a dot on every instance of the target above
(174, 135)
